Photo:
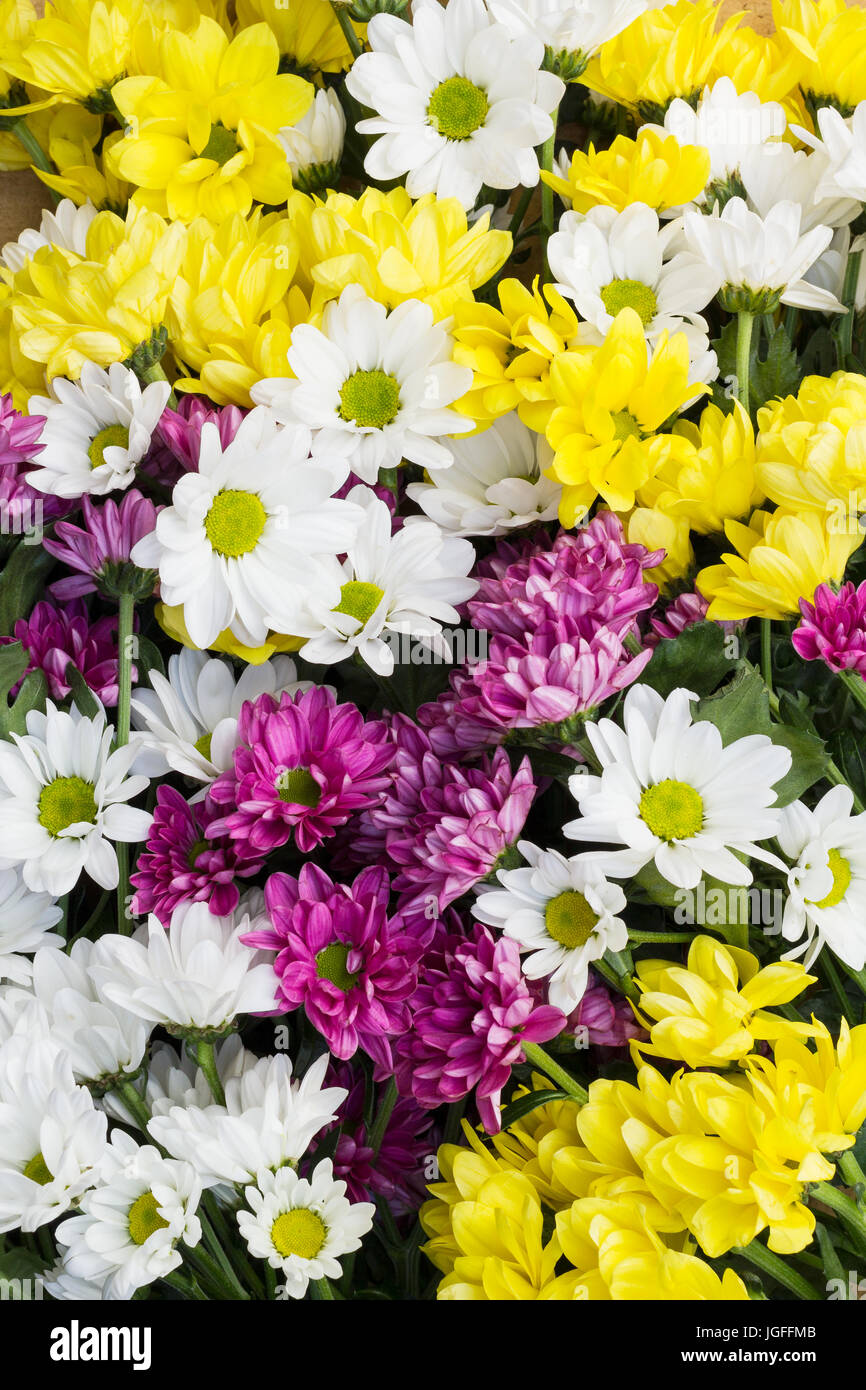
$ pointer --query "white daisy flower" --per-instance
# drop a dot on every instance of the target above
(826, 903)
(373, 386)
(773, 174)
(760, 261)
(269, 1119)
(52, 1137)
(301, 1226)
(96, 430)
(236, 548)
(189, 721)
(128, 1229)
(674, 795)
(26, 919)
(459, 102)
(842, 142)
(405, 582)
(314, 146)
(496, 483)
(64, 1287)
(727, 123)
(606, 261)
(65, 227)
(174, 1078)
(62, 800)
(197, 974)
(571, 30)
(563, 912)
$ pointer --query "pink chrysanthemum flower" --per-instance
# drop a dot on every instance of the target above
(99, 551)
(833, 629)
(19, 435)
(685, 611)
(471, 1014)
(180, 429)
(23, 510)
(301, 767)
(608, 1019)
(54, 636)
(180, 864)
(341, 957)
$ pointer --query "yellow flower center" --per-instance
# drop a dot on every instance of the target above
(37, 1170)
(359, 600)
(570, 920)
(672, 810)
(841, 871)
(300, 1232)
(457, 108)
(111, 436)
(202, 745)
(65, 801)
(297, 786)
(331, 965)
(625, 426)
(144, 1219)
(221, 145)
(235, 522)
(630, 294)
(370, 399)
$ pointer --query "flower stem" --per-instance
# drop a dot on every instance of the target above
(520, 211)
(220, 1256)
(834, 776)
(659, 938)
(771, 1265)
(348, 29)
(134, 1104)
(548, 151)
(566, 1082)
(204, 1055)
(767, 652)
(855, 685)
(37, 155)
(845, 329)
(845, 1209)
(851, 1170)
(744, 347)
(858, 976)
(125, 642)
(383, 1115)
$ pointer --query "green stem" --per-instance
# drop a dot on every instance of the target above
(834, 776)
(37, 155)
(383, 1115)
(858, 976)
(564, 1080)
(220, 1256)
(851, 1170)
(829, 970)
(134, 1104)
(324, 1289)
(622, 983)
(767, 652)
(845, 329)
(829, 1259)
(125, 619)
(744, 347)
(156, 372)
(389, 478)
(855, 685)
(206, 1060)
(776, 1268)
(520, 211)
(660, 938)
(845, 1209)
(548, 151)
(184, 1286)
(347, 27)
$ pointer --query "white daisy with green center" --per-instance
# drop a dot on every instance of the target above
(96, 430)
(675, 795)
(563, 913)
(25, 922)
(606, 261)
(374, 387)
(238, 548)
(130, 1225)
(572, 30)
(406, 583)
(63, 796)
(459, 101)
(826, 903)
(302, 1227)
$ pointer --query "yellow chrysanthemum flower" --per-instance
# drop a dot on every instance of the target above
(170, 619)
(307, 31)
(761, 63)
(780, 558)
(653, 168)
(78, 49)
(201, 133)
(396, 249)
(607, 405)
(531, 1143)
(711, 1011)
(502, 1251)
(811, 452)
(511, 349)
(658, 530)
(715, 481)
(17, 21)
(72, 137)
(666, 53)
(821, 1094)
(828, 37)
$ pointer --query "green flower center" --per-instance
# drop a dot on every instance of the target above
(841, 871)
(300, 1232)
(625, 426)
(297, 786)
(457, 108)
(221, 145)
(370, 399)
(65, 801)
(195, 850)
(570, 920)
(111, 436)
(144, 1219)
(672, 810)
(359, 600)
(37, 1170)
(202, 745)
(630, 294)
(331, 965)
(235, 522)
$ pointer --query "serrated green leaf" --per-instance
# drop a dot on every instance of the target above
(778, 374)
(695, 659)
(22, 583)
(32, 695)
(13, 664)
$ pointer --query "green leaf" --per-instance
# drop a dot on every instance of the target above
(524, 1105)
(32, 694)
(84, 698)
(22, 583)
(695, 659)
(148, 658)
(778, 374)
(13, 664)
(18, 1263)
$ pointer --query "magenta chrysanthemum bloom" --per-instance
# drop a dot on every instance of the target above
(180, 430)
(608, 1018)
(341, 957)
(99, 551)
(53, 637)
(397, 1171)
(180, 864)
(685, 611)
(19, 435)
(23, 510)
(301, 767)
(471, 1014)
(833, 629)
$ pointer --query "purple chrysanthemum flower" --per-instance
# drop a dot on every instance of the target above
(471, 1014)
(608, 1018)
(341, 956)
(54, 636)
(180, 864)
(19, 435)
(23, 510)
(99, 551)
(685, 611)
(180, 430)
(302, 766)
(396, 1172)
(833, 629)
